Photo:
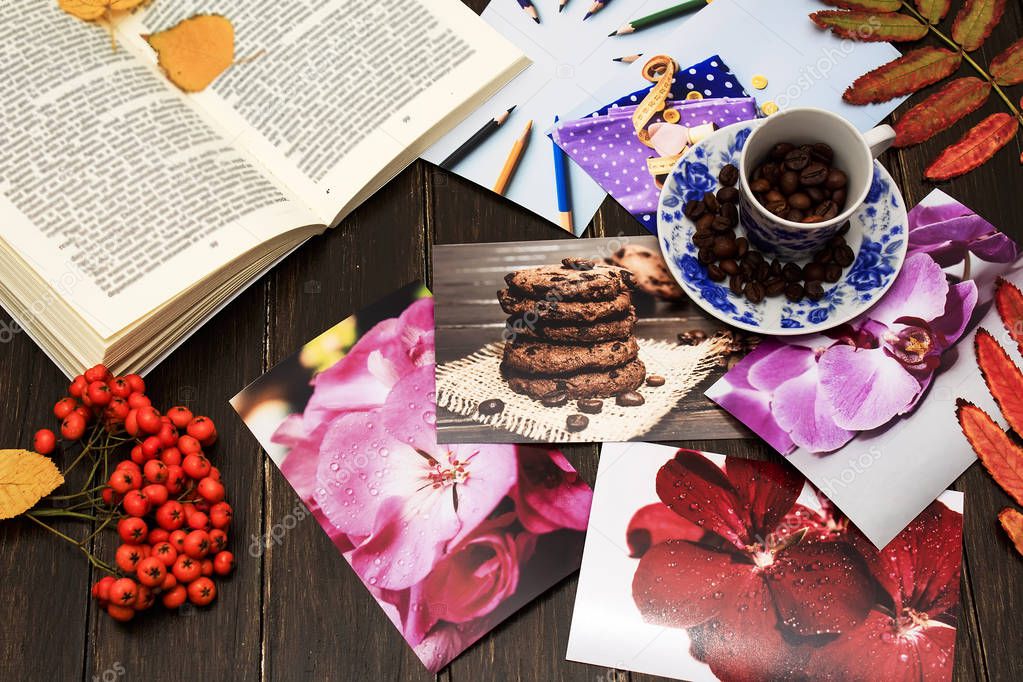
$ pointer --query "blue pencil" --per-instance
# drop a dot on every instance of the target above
(527, 5)
(564, 190)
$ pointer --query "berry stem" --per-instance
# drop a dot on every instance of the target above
(61, 512)
(103, 566)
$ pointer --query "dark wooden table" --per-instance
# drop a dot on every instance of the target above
(297, 611)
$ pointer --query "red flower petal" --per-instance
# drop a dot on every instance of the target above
(920, 567)
(744, 643)
(680, 584)
(696, 489)
(919, 652)
(820, 587)
(770, 489)
(654, 524)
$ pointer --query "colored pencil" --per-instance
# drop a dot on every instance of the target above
(658, 17)
(629, 59)
(561, 5)
(596, 7)
(467, 147)
(563, 188)
(527, 6)
(511, 164)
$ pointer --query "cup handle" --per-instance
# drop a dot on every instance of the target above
(879, 139)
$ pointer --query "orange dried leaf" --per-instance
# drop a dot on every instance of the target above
(979, 144)
(1002, 458)
(195, 51)
(941, 110)
(933, 10)
(1002, 376)
(124, 5)
(975, 22)
(86, 10)
(866, 5)
(907, 74)
(870, 27)
(1012, 522)
(25, 477)
(1007, 67)
(1009, 301)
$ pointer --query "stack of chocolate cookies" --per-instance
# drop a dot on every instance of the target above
(570, 332)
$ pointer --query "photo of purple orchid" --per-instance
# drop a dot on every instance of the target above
(817, 392)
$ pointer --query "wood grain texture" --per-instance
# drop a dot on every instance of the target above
(294, 610)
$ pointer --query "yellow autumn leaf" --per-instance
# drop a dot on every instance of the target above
(195, 51)
(124, 5)
(86, 10)
(25, 477)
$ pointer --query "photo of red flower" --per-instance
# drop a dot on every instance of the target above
(759, 576)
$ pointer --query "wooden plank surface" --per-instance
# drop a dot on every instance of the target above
(294, 610)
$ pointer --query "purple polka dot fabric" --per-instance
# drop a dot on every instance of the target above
(711, 78)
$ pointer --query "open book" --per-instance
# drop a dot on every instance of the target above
(131, 212)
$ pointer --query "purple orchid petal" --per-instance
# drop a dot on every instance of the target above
(920, 289)
(962, 299)
(865, 388)
(778, 366)
(753, 408)
(800, 409)
(995, 248)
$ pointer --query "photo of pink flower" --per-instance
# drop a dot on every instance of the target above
(758, 576)
(450, 539)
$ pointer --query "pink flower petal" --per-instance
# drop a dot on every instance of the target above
(550, 494)
(919, 290)
(801, 410)
(865, 388)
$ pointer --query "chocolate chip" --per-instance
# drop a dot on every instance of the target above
(554, 399)
(655, 380)
(590, 405)
(629, 399)
(490, 407)
(575, 423)
(578, 263)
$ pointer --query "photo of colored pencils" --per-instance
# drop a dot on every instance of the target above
(478, 138)
(562, 186)
(658, 17)
(596, 7)
(527, 6)
(511, 164)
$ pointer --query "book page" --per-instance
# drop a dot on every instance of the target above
(116, 190)
(330, 94)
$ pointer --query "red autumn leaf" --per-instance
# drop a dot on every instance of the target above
(1002, 458)
(866, 5)
(933, 10)
(1007, 67)
(979, 144)
(1009, 301)
(942, 109)
(870, 27)
(975, 22)
(1012, 522)
(1002, 376)
(907, 74)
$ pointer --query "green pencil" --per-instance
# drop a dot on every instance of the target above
(658, 17)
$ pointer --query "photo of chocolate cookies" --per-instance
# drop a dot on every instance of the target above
(555, 358)
(571, 280)
(600, 384)
(649, 270)
(565, 311)
(607, 330)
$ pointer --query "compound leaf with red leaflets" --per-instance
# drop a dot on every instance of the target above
(933, 10)
(978, 145)
(1012, 522)
(975, 22)
(1002, 376)
(941, 110)
(1009, 301)
(1002, 458)
(870, 27)
(866, 5)
(1007, 67)
(903, 76)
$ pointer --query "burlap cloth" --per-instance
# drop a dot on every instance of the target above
(463, 384)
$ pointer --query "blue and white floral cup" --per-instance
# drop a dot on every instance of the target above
(854, 154)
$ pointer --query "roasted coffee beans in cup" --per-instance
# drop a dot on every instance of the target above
(800, 183)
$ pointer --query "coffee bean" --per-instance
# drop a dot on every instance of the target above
(554, 399)
(754, 292)
(797, 159)
(816, 195)
(813, 175)
(716, 273)
(832, 272)
(490, 407)
(827, 209)
(655, 380)
(590, 405)
(844, 256)
(724, 246)
(838, 196)
(794, 292)
(730, 213)
(774, 286)
(692, 337)
(741, 246)
(778, 207)
(705, 256)
(629, 399)
(729, 266)
(792, 272)
(770, 172)
(704, 221)
(703, 239)
(759, 186)
(728, 195)
(775, 269)
(721, 224)
(575, 423)
(813, 271)
(814, 291)
(844, 229)
(774, 195)
(754, 258)
(795, 215)
(711, 202)
(823, 153)
(736, 283)
(823, 256)
(799, 200)
(728, 176)
(836, 179)
(789, 182)
(763, 271)
(694, 209)
(780, 150)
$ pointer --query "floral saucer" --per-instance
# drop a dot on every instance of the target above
(878, 236)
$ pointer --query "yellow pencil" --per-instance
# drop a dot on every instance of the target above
(512, 162)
